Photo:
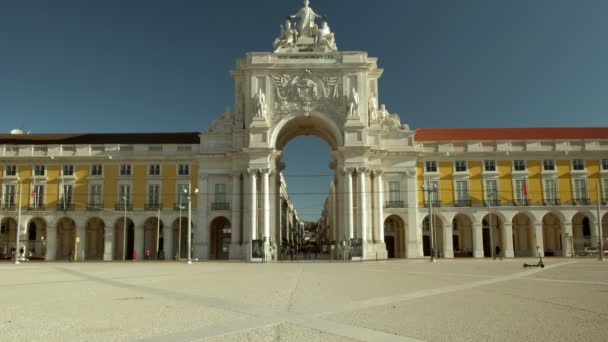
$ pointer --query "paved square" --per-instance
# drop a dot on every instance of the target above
(413, 300)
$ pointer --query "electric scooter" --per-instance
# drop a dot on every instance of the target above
(540, 262)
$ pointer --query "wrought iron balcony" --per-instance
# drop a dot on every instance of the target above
(492, 203)
(220, 206)
(395, 204)
(9, 206)
(121, 206)
(581, 201)
(34, 207)
(551, 201)
(65, 206)
(435, 204)
(521, 203)
(462, 203)
(94, 206)
(153, 206)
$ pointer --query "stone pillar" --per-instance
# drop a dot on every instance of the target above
(253, 207)
(108, 243)
(168, 240)
(413, 236)
(448, 244)
(567, 239)
(477, 231)
(81, 232)
(362, 206)
(379, 194)
(538, 233)
(594, 238)
(266, 203)
(507, 238)
(349, 203)
(200, 229)
(138, 244)
(51, 242)
(235, 243)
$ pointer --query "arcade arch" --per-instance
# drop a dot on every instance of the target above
(552, 238)
(494, 222)
(220, 237)
(524, 244)
(129, 239)
(395, 237)
(582, 231)
(36, 238)
(462, 236)
(95, 239)
(66, 238)
(153, 234)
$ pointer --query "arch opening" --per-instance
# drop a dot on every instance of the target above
(124, 236)
(462, 236)
(395, 237)
(220, 231)
(95, 239)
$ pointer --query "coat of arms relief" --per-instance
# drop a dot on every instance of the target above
(308, 91)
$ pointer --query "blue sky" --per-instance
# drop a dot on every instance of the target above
(159, 66)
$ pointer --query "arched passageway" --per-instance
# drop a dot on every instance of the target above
(524, 244)
(462, 236)
(66, 238)
(180, 238)
(95, 239)
(552, 238)
(36, 238)
(221, 232)
(492, 239)
(124, 236)
(394, 237)
(581, 232)
(153, 236)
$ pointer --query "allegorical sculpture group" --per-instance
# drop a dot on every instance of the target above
(305, 28)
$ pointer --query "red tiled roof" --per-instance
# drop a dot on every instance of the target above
(100, 138)
(472, 134)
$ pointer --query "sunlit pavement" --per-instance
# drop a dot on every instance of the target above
(402, 300)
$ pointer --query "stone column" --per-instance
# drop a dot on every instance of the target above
(362, 205)
(81, 232)
(108, 243)
(266, 209)
(567, 239)
(138, 244)
(379, 194)
(538, 232)
(235, 243)
(477, 231)
(594, 238)
(448, 244)
(349, 203)
(507, 238)
(200, 229)
(51, 241)
(253, 206)
(168, 240)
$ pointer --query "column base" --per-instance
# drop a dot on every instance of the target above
(448, 254)
(379, 252)
(413, 250)
(478, 253)
(108, 257)
(235, 252)
(509, 254)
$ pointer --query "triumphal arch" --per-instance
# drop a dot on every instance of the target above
(307, 86)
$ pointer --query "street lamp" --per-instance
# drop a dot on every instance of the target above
(431, 189)
(124, 229)
(189, 193)
(494, 195)
(179, 232)
(18, 224)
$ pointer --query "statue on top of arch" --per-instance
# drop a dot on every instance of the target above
(307, 32)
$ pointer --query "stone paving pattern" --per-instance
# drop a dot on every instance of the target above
(401, 300)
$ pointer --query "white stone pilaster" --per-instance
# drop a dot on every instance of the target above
(448, 244)
(349, 202)
(477, 230)
(235, 222)
(507, 238)
(108, 243)
(567, 239)
(379, 194)
(266, 204)
(362, 205)
(253, 205)
(538, 233)
(200, 230)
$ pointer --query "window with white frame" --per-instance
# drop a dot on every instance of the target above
(430, 166)
(95, 195)
(125, 169)
(462, 190)
(519, 190)
(489, 165)
(153, 196)
(8, 200)
(460, 166)
(39, 170)
(182, 195)
(550, 193)
(220, 193)
(96, 170)
(491, 190)
(605, 188)
(519, 165)
(394, 192)
(580, 189)
(124, 194)
(605, 164)
(548, 165)
(183, 169)
(10, 170)
(67, 194)
(38, 196)
(68, 170)
(578, 165)
(154, 170)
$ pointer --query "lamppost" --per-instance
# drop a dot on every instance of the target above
(431, 189)
(124, 229)
(179, 232)
(492, 198)
(189, 193)
(18, 223)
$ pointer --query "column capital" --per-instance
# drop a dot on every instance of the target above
(252, 171)
(378, 172)
(507, 224)
(348, 170)
(266, 171)
(363, 170)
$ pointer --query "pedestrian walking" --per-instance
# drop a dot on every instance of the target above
(134, 255)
